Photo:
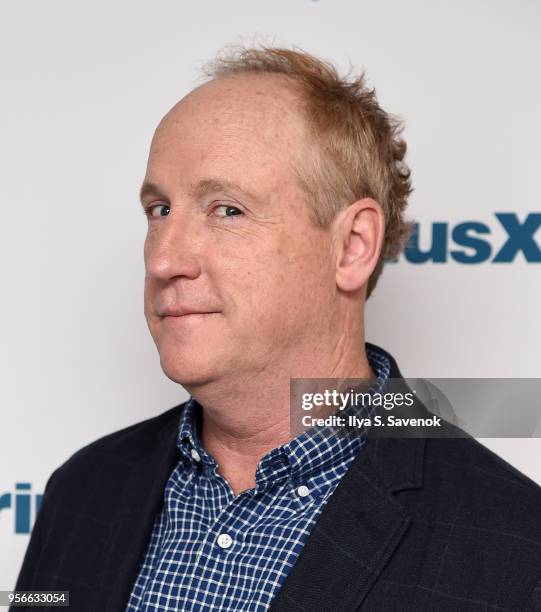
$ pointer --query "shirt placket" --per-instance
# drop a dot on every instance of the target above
(223, 541)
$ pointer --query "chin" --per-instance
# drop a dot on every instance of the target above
(192, 350)
(190, 367)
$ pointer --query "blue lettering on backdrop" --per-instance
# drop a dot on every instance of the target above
(437, 252)
(520, 237)
(475, 247)
(23, 506)
(462, 235)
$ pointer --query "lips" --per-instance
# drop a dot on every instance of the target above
(181, 311)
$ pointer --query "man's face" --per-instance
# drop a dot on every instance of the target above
(229, 234)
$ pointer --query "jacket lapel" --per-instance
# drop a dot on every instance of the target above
(360, 527)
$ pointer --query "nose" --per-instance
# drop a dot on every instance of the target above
(170, 248)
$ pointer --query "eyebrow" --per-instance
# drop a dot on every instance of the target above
(200, 189)
(149, 189)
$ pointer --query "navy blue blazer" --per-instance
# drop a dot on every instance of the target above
(415, 524)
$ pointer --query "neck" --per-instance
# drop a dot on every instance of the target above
(247, 416)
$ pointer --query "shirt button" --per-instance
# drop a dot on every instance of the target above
(195, 454)
(303, 491)
(224, 540)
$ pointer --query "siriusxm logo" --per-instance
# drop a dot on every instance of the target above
(470, 243)
(20, 503)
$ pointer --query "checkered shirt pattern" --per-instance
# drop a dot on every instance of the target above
(211, 550)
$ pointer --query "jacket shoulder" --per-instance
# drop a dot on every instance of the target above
(82, 494)
(127, 445)
(475, 482)
(475, 518)
(467, 454)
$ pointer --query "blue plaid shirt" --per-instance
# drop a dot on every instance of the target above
(210, 550)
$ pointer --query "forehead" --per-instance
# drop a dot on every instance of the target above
(251, 123)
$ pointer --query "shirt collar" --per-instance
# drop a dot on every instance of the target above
(299, 458)
(188, 440)
(320, 449)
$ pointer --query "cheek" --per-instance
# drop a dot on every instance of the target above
(283, 285)
(305, 265)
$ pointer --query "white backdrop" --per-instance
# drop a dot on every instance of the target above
(84, 85)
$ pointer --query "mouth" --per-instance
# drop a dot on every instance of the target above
(188, 316)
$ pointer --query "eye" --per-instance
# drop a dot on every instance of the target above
(228, 210)
(157, 210)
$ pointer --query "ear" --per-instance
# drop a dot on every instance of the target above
(358, 233)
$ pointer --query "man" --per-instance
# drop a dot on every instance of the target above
(274, 194)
